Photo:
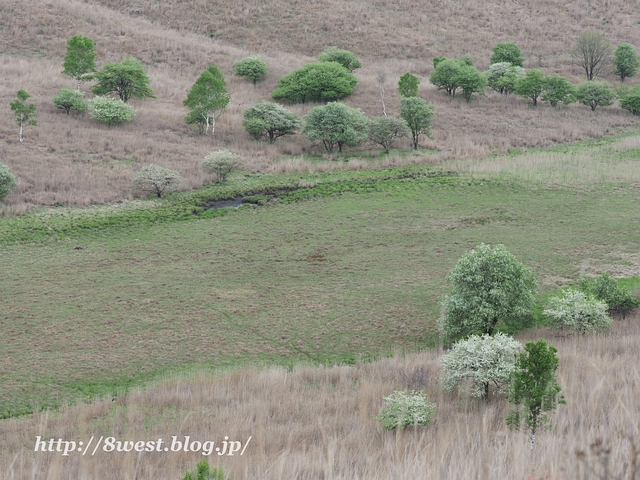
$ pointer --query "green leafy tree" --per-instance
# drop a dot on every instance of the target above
(270, 121)
(207, 99)
(385, 130)
(629, 98)
(625, 61)
(578, 312)
(110, 110)
(222, 163)
(592, 52)
(467, 60)
(471, 81)
(595, 94)
(318, 81)
(445, 76)
(22, 112)
(556, 88)
(534, 388)
(482, 361)
(489, 286)
(68, 98)
(125, 78)
(607, 289)
(437, 60)
(80, 60)
(408, 85)
(204, 472)
(507, 52)
(252, 68)
(344, 57)
(336, 124)
(531, 85)
(418, 115)
(502, 77)
(7, 181)
(156, 179)
(404, 409)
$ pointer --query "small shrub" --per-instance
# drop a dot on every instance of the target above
(204, 472)
(222, 163)
(405, 409)
(68, 98)
(606, 289)
(156, 179)
(253, 69)
(7, 181)
(578, 312)
(111, 110)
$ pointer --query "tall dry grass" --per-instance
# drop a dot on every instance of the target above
(75, 160)
(314, 423)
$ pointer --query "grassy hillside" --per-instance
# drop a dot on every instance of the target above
(74, 160)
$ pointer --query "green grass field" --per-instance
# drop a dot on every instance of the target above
(338, 276)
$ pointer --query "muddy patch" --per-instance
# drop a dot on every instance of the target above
(228, 203)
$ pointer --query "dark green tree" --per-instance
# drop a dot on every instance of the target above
(625, 61)
(408, 85)
(446, 75)
(344, 57)
(507, 52)
(490, 286)
(318, 81)
(595, 94)
(629, 98)
(534, 389)
(68, 98)
(22, 112)
(556, 88)
(207, 99)
(270, 121)
(126, 78)
(7, 181)
(418, 115)
(531, 85)
(79, 62)
(253, 69)
(471, 81)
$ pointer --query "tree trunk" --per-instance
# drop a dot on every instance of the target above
(213, 124)
(486, 391)
(79, 84)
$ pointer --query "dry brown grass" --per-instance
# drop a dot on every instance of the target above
(317, 423)
(75, 160)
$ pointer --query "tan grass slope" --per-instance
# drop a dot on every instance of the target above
(317, 423)
(75, 160)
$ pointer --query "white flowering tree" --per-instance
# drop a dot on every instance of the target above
(578, 312)
(406, 409)
(156, 179)
(480, 361)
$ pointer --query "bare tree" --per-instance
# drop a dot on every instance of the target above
(592, 52)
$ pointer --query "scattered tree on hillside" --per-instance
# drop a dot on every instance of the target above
(534, 388)
(126, 78)
(22, 112)
(489, 286)
(502, 77)
(437, 60)
(629, 98)
(595, 94)
(79, 62)
(408, 85)
(418, 115)
(625, 61)
(156, 179)
(344, 57)
(318, 81)
(445, 75)
(270, 121)
(556, 88)
(482, 360)
(110, 110)
(68, 98)
(7, 181)
(251, 68)
(606, 289)
(507, 52)
(531, 85)
(578, 312)
(592, 52)
(471, 81)
(207, 99)
(385, 130)
(222, 163)
(336, 124)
